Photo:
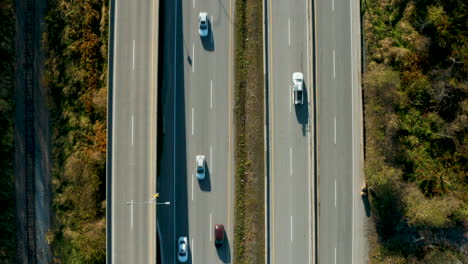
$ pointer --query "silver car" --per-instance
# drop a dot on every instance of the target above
(182, 253)
(298, 87)
(200, 162)
(203, 24)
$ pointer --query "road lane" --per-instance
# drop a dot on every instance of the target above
(339, 153)
(210, 65)
(291, 173)
(134, 141)
(202, 113)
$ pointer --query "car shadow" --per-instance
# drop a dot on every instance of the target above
(365, 200)
(302, 112)
(205, 184)
(189, 60)
(208, 41)
(224, 251)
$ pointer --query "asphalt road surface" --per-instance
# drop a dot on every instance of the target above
(291, 177)
(197, 119)
(341, 210)
(133, 170)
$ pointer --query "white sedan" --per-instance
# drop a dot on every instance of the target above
(200, 162)
(203, 24)
(298, 90)
(182, 253)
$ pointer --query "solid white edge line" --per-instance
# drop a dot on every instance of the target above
(152, 186)
(133, 56)
(193, 57)
(193, 116)
(113, 141)
(192, 246)
(352, 124)
(335, 255)
(211, 94)
(289, 32)
(309, 242)
(174, 122)
(310, 198)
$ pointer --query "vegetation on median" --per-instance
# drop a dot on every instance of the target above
(76, 43)
(249, 225)
(416, 115)
(7, 110)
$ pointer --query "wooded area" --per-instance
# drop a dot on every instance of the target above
(7, 108)
(76, 41)
(416, 122)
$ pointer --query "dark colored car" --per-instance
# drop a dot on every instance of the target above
(219, 235)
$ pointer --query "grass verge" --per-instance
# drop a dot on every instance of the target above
(249, 235)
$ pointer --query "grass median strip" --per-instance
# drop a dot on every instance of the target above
(249, 242)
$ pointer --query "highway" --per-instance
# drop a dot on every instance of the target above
(133, 142)
(196, 98)
(289, 43)
(341, 212)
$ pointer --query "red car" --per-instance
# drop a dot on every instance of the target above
(219, 235)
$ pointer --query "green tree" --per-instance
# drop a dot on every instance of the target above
(436, 212)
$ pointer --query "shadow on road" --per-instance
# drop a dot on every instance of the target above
(172, 186)
(365, 200)
(302, 112)
(208, 41)
(205, 184)
(224, 251)
(181, 173)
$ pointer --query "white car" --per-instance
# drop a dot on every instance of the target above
(182, 253)
(298, 87)
(200, 161)
(203, 24)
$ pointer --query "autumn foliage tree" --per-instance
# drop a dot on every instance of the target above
(76, 42)
(415, 99)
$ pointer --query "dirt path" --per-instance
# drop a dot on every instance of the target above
(32, 136)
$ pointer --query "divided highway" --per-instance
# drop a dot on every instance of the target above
(291, 168)
(196, 99)
(132, 218)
